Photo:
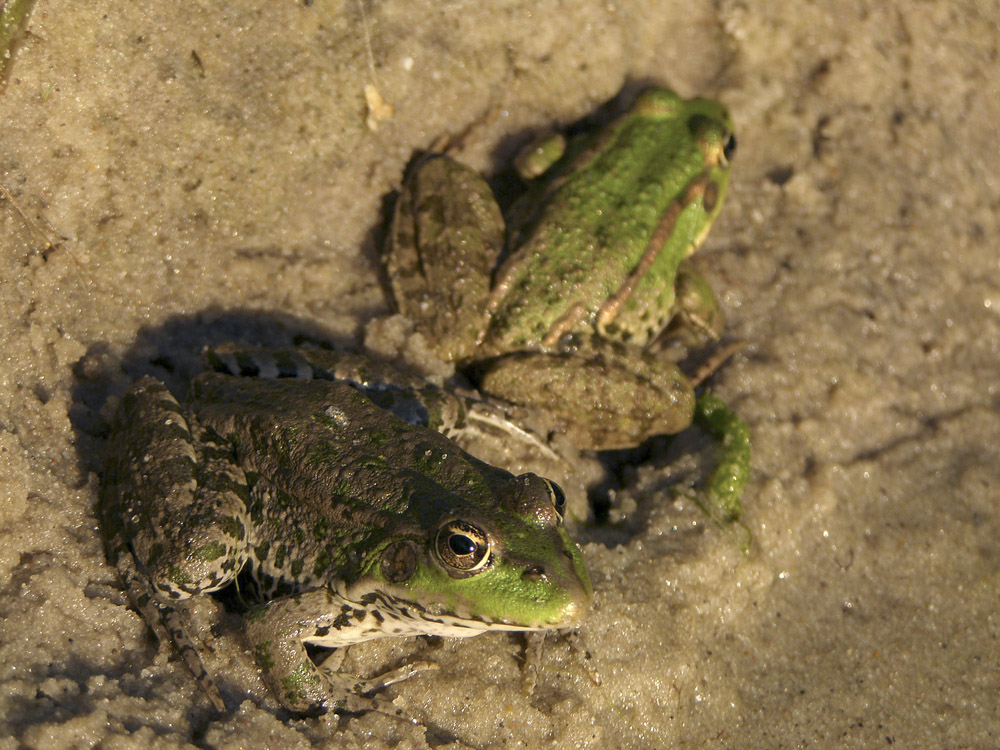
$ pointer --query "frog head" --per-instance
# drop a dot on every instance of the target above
(507, 565)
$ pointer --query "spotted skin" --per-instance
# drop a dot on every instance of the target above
(559, 304)
(353, 523)
(560, 317)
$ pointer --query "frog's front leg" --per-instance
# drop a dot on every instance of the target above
(278, 631)
(360, 691)
(696, 318)
(171, 508)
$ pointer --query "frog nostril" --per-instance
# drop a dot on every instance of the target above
(535, 573)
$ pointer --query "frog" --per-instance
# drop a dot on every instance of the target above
(326, 486)
(561, 306)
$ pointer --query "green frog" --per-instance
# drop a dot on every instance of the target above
(556, 308)
(331, 481)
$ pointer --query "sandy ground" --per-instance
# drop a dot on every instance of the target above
(206, 173)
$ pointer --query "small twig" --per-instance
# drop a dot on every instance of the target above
(32, 223)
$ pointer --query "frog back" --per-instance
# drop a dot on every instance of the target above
(614, 219)
(345, 495)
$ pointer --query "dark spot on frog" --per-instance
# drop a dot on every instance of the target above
(341, 622)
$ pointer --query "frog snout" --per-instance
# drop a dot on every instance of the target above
(577, 605)
(573, 597)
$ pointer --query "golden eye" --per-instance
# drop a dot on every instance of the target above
(462, 548)
(558, 498)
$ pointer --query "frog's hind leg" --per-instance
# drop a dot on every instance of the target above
(447, 234)
(602, 395)
(459, 416)
(175, 494)
(172, 505)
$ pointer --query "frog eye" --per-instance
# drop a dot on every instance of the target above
(558, 498)
(729, 149)
(462, 548)
(717, 144)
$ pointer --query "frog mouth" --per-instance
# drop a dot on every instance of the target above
(398, 616)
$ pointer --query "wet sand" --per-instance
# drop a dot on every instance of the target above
(207, 173)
